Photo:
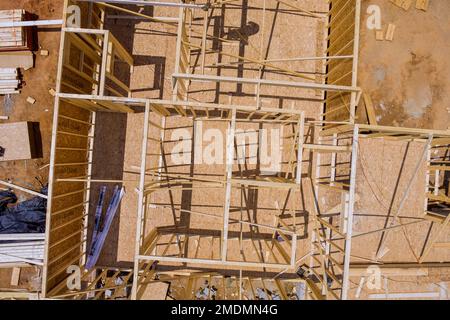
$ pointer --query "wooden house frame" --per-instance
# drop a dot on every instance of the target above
(333, 234)
(337, 84)
(85, 79)
(87, 84)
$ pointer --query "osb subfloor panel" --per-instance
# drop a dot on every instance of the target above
(253, 35)
(116, 152)
(153, 46)
(258, 207)
(384, 170)
(408, 78)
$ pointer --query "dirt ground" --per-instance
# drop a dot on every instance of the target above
(408, 78)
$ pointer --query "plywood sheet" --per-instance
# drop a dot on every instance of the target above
(18, 141)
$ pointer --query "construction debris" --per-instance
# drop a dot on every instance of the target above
(31, 100)
(390, 32)
(379, 35)
(404, 4)
(99, 237)
(15, 276)
(22, 227)
(370, 110)
(422, 4)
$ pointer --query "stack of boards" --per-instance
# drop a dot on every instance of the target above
(9, 81)
(15, 50)
(22, 248)
(14, 38)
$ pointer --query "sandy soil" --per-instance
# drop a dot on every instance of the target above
(408, 78)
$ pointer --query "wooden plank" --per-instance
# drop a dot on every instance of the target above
(15, 276)
(390, 32)
(370, 111)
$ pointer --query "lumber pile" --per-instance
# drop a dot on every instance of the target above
(21, 251)
(16, 43)
(9, 81)
(14, 38)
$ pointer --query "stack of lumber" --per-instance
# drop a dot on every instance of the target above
(15, 42)
(9, 81)
(14, 38)
(22, 248)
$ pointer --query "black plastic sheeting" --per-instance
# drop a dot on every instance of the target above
(24, 217)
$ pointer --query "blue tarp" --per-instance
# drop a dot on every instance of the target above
(25, 217)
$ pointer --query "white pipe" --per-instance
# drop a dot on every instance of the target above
(31, 23)
(22, 236)
(32, 192)
(15, 258)
(130, 17)
(150, 3)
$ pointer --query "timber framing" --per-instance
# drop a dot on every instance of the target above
(336, 173)
(320, 153)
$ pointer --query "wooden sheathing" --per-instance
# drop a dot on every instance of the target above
(89, 63)
(343, 41)
(68, 204)
(66, 209)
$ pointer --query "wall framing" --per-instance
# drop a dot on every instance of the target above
(88, 84)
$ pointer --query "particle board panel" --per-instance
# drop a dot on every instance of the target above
(342, 39)
(16, 59)
(155, 291)
(66, 208)
(19, 139)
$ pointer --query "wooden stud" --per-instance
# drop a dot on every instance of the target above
(15, 276)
